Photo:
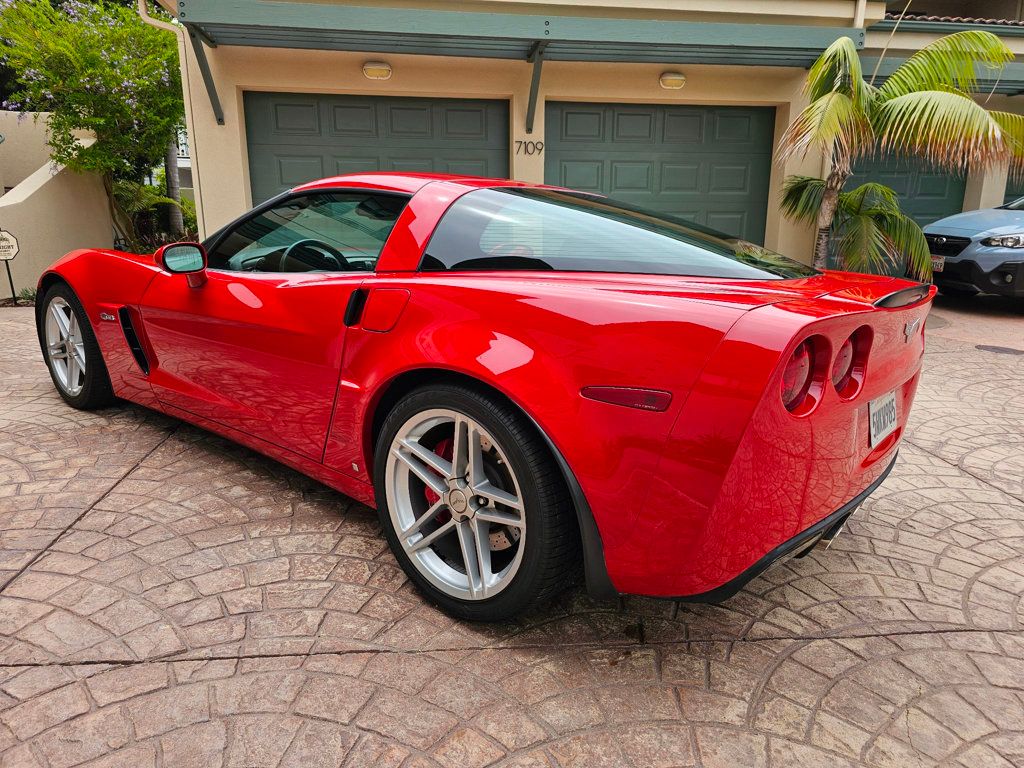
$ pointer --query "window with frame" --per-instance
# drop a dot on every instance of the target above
(517, 228)
(318, 232)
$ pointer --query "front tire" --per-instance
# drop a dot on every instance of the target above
(472, 504)
(957, 292)
(71, 352)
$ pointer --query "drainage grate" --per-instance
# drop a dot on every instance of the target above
(1000, 350)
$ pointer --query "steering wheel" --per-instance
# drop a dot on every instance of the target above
(317, 255)
(511, 251)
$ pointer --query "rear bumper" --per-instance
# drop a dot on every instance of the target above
(967, 273)
(824, 530)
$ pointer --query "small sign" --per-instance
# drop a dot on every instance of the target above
(8, 245)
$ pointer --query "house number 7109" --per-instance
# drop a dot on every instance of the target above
(529, 147)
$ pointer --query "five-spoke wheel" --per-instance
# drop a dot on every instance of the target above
(65, 346)
(471, 502)
(70, 349)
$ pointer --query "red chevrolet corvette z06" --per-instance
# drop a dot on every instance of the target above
(519, 378)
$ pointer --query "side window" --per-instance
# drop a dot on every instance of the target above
(319, 232)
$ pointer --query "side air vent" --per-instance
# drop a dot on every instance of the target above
(133, 339)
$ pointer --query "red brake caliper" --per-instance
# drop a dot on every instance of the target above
(444, 449)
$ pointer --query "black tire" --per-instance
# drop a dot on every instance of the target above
(957, 292)
(96, 390)
(552, 545)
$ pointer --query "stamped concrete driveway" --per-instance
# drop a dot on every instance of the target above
(171, 599)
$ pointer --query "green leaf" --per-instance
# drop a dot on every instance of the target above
(801, 198)
(947, 129)
(838, 70)
(951, 62)
(832, 123)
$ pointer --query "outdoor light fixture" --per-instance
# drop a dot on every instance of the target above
(672, 81)
(377, 70)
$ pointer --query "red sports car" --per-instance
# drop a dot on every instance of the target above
(521, 378)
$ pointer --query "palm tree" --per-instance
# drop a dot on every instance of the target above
(924, 109)
(868, 230)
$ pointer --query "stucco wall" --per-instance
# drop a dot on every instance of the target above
(219, 157)
(52, 212)
(24, 148)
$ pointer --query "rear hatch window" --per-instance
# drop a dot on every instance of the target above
(546, 229)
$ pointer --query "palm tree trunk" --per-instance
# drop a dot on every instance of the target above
(837, 178)
(124, 226)
(175, 222)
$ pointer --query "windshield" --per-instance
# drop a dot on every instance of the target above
(1016, 205)
(541, 229)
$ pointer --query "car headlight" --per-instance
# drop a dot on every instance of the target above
(1005, 241)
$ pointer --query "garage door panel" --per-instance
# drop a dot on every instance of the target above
(356, 165)
(469, 167)
(294, 138)
(354, 120)
(680, 178)
(683, 127)
(628, 176)
(727, 222)
(710, 164)
(296, 118)
(633, 126)
(925, 194)
(584, 175)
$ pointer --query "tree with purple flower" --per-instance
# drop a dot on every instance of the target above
(94, 66)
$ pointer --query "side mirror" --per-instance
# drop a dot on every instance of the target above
(184, 259)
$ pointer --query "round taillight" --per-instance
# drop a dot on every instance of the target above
(842, 369)
(796, 379)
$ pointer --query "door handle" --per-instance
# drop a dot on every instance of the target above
(354, 308)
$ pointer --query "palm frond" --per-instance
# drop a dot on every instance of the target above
(832, 123)
(134, 198)
(872, 234)
(838, 69)
(944, 128)
(951, 61)
(869, 195)
(861, 244)
(801, 198)
(1012, 126)
(906, 238)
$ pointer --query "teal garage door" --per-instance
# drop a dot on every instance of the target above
(297, 137)
(925, 194)
(708, 164)
(1014, 190)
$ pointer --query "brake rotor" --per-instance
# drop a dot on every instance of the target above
(499, 539)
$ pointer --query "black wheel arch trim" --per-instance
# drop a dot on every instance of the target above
(595, 571)
(599, 584)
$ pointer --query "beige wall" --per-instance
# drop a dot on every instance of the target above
(219, 157)
(52, 212)
(24, 148)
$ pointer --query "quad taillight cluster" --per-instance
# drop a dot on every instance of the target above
(803, 380)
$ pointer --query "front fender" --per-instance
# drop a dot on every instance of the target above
(105, 281)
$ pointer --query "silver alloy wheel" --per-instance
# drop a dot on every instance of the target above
(462, 531)
(65, 346)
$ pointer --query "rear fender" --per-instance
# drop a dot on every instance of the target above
(539, 346)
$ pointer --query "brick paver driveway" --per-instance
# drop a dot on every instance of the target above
(172, 599)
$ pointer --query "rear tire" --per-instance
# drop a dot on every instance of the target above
(71, 352)
(474, 508)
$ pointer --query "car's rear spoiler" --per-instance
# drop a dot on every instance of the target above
(905, 297)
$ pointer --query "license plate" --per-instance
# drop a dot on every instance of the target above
(882, 417)
(938, 262)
